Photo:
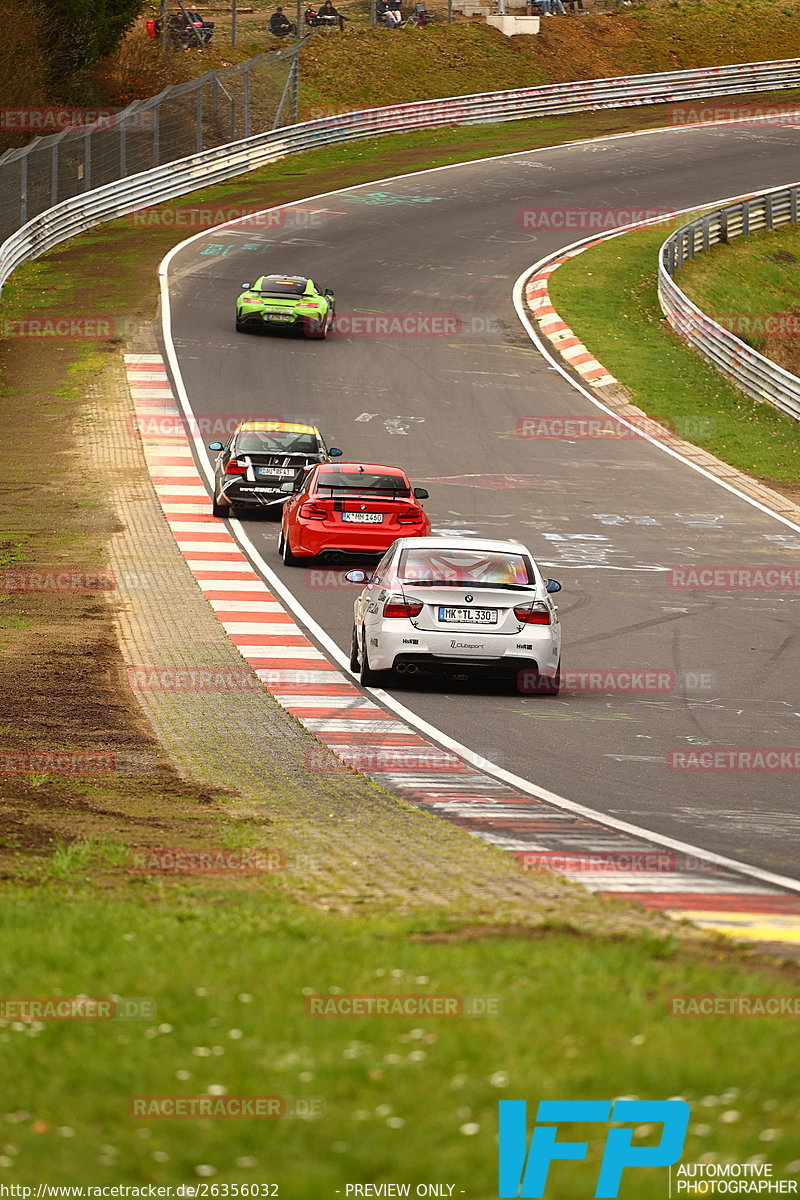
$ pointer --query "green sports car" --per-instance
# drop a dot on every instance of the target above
(288, 301)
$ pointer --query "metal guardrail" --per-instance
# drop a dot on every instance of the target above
(753, 373)
(174, 179)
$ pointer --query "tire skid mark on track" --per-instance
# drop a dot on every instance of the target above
(351, 729)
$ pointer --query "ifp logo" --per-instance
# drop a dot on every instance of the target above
(524, 1171)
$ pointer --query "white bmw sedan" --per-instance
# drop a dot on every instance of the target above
(457, 606)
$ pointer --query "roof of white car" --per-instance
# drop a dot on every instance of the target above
(462, 543)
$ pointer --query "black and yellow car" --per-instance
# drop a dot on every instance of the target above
(260, 456)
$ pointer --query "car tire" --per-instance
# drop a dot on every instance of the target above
(289, 559)
(240, 326)
(540, 685)
(366, 676)
(555, 682)
(354, 651)
(315, 329)
(220, 510)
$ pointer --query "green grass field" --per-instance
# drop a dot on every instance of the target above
(406, 1098)
(608, 296)
(750, 278)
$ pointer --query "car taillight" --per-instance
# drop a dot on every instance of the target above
(412, 516)
(236, 468)
(398, 606)
(532, 614)
(313, 512)
(306, 304)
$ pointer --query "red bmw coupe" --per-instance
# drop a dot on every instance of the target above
(349, 508)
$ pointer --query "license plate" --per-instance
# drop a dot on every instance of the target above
(279, 317)
(276, 472)
(473, 616)
(363, 518)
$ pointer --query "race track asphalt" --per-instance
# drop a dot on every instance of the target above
(607, 517)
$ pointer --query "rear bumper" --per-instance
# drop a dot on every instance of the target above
(438, 664)
(262, 321)
(505, 655)
(253, 494)
(356, 539)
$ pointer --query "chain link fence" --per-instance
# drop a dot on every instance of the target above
(219, 107)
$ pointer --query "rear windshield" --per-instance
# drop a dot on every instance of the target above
(261, 442)
(363, 481)
(278, 285)
(475, 567)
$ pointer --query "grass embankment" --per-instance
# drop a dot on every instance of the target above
(381, 67)
(608, 295)
(407, 1099)
(750, 279)
(367, 67)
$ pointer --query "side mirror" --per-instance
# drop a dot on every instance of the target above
(356, 576)
(215, 446)
(247, 286)
(421, 493)
(287, 487)
(327, 292)
(552, 585)
(335, 452)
